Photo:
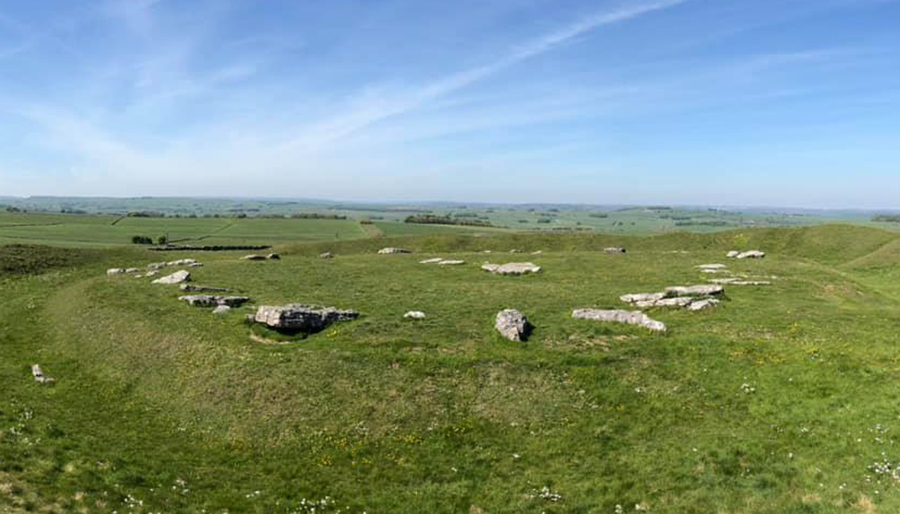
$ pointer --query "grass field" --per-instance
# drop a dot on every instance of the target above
(104, 231)
(783, 399)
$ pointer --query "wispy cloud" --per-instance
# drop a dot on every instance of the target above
(372, 106)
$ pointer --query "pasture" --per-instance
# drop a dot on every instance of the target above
(783, 399)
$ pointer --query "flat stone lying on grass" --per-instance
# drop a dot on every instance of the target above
(205, 300)
(151, 273)
(391, 250)
(679, 302)
(642, 297)
(512, 268)
(221, 309)
(203, 289)
(512, 325)
(326, 255)
(637, 318)
(680, 296)
(115, 271)
(614, 250)
(442, 262)
(180, 262)
(703, 304)
(39, 375)
(273, 257)
(752, 254)
(414, 315)
(300, 317)
(253, 257)
(175, 278)
(714, 271)
(537, 252)
(740, 282)
(712, 266)
(700, 290)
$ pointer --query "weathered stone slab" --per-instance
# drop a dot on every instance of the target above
(637, 318)
(300, 317)
(642, 297)
(203, 289)
(175, 278)
(699, 290)
(205, 300)
(512, 268)
(752, 254)
(253, 257)
(391, 250)
(701, 305)
(326, 255)
(614, 250)
(414, 315)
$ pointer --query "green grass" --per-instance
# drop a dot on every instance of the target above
(106, 231)
(780, 400)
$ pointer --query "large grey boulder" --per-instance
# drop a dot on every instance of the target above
(300, 317)
(512, 268)
(205, 300)
(391, 250)
(512, 325)
(637, 318)
(175, 278)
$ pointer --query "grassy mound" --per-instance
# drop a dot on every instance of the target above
(783, 399)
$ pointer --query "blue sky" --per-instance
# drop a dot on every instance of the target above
(720, 102)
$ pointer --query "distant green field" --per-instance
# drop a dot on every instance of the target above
(89, 230)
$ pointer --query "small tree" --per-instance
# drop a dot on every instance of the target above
(162, 240)
(141, 240)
